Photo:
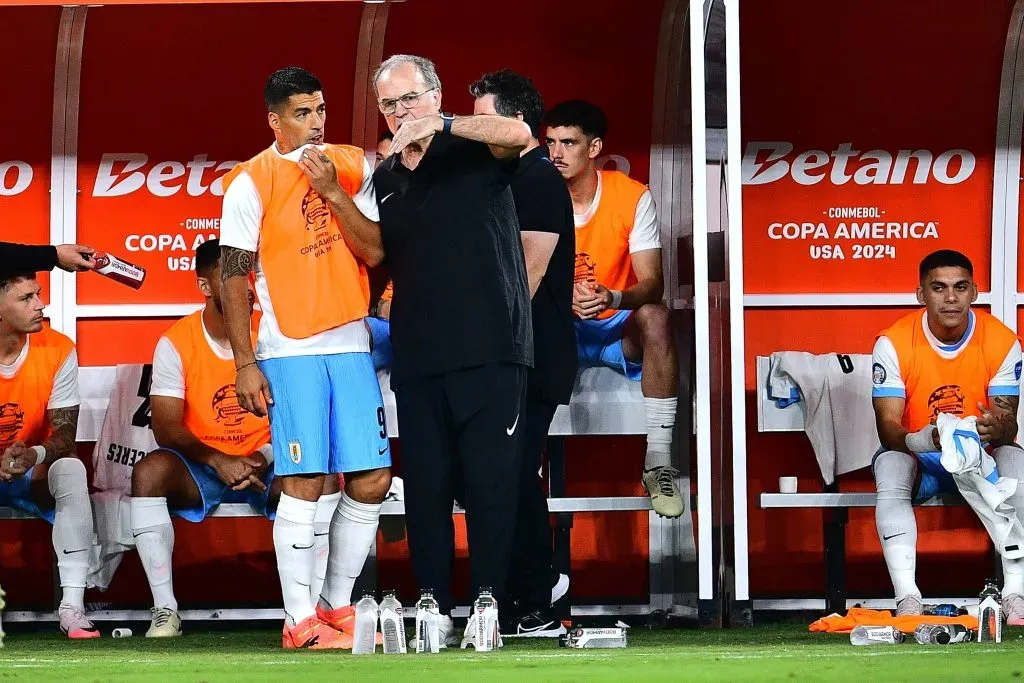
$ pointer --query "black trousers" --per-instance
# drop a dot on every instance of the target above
(468, 422)
(531, 575)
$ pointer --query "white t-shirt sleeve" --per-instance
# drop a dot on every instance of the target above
(168, 372)
(65, 384)
(885, 371)
(1007, 379)
(366, 198)
(241, 214)
(645, 233)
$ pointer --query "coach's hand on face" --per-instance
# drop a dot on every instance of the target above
(16, 461)
(239, 472)
(590, 299)
(413, 130)
(320, 171)
(253, 390)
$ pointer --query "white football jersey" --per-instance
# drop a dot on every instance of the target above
(127, 433)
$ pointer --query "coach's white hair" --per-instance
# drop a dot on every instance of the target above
(422, 64)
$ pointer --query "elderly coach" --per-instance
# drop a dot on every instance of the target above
(460, 321)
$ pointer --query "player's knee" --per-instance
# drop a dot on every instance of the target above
(150, 475)
(65, 475)
(894, 471)
(369, 487)
(655, 324)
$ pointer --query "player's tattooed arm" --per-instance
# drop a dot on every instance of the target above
(63, 429)
(236, 262)
(1004, 414)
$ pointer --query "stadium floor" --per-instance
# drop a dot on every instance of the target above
(764, 653)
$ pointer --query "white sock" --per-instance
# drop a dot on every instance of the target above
(293, 543)
(325, 508)
(1010, 462)
(154, 539)
(661, 419)
(72, 527)
(353, 531)
(894, 519)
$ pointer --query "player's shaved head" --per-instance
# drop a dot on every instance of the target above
(944, 258)
(207, 257)
(10, 277)
(284, 83)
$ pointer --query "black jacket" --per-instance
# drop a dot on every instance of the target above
(24, 257)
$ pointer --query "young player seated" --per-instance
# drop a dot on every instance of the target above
(211, 451)
(39, 472)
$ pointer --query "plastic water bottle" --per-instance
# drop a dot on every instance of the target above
(942, 634)
(990, 618)
(392, 625)
(428, 616)
(485, 609)
(876, 635)
(367, 613)
(943, 610)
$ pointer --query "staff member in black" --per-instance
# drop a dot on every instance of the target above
(544, 209)
(69, 257)
(460, 322)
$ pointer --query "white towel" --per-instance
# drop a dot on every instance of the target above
(974, 472)
(839, 417)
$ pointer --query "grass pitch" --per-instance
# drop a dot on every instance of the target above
(764, 653)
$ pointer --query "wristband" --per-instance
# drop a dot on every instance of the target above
(40, 453)
(245, 365)
(921, 441)
(616, 298)
(268, 452)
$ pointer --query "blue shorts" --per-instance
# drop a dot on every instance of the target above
(380, 332)
(599, 342)
(214, 492)
(328, 414)
(933, 479)
(18, 495)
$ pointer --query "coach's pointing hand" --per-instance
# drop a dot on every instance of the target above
(320, 170)
(253, 390)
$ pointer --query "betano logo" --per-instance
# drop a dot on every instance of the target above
(121, 174)
(768, 162)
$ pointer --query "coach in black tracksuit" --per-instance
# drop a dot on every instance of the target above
(460, 322)
(544, 209)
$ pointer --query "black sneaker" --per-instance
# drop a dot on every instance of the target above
(540, 623)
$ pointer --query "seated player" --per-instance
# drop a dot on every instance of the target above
(622, 322)
(39, 473)
(211, 452)
(945, 359)
(383, 146)
(380, 329)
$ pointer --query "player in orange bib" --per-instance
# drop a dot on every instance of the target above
(946, 359)
(39, 472)
(621, 320)
(301, 215)
(211, 451)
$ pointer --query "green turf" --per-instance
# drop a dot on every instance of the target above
(763, 653)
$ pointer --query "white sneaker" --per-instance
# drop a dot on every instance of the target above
(1013, 609)
(910, 606)
(560, 588)
(660, 484)
(166, 623)
(446, 633)
(74, 623)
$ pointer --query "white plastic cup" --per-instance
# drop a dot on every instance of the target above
(787, 484)
(121, 633)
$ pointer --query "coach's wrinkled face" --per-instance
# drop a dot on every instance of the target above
(947, 293)
(404, 95)
(21, 307)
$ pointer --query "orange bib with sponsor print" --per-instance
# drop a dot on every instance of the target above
(935, 384)
(212, 412)
(602, 243)
(23, 398)
(315, 283)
